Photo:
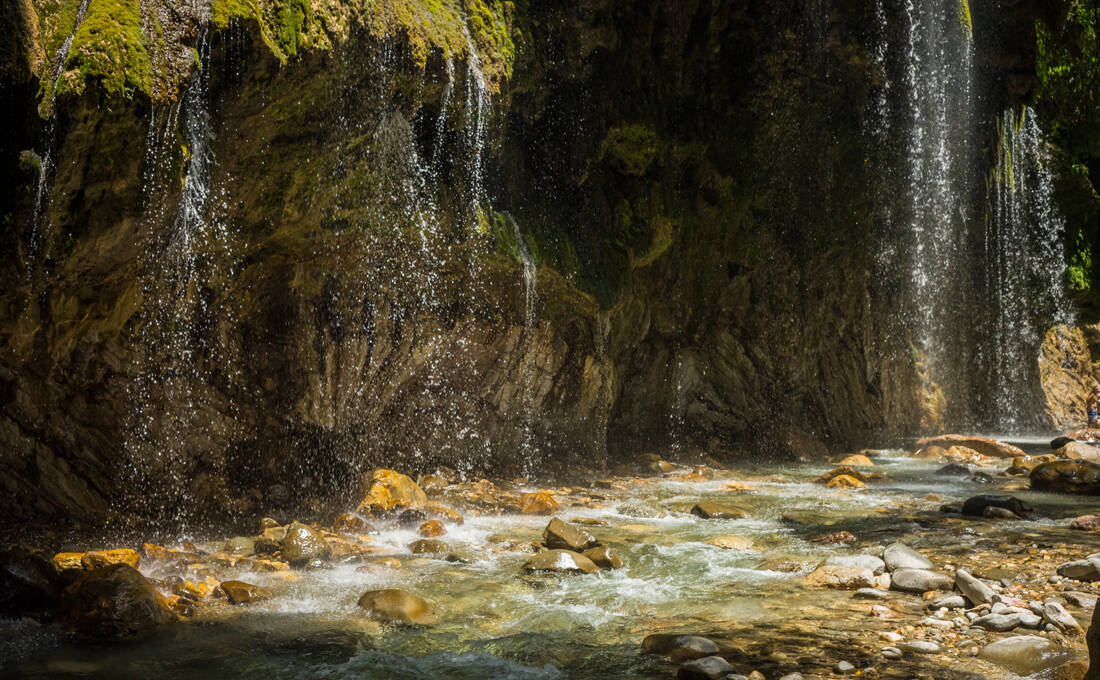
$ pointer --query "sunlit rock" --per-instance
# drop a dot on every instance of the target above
(239, 592)
(565, 561)
(388, 490)
(396, 606)
(538, 503)
(1067, 476)
(303, 544)
(561, 535)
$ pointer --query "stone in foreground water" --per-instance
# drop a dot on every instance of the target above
(1024, 654)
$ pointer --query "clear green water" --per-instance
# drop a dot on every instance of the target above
(498, 624)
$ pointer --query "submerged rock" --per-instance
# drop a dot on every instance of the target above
(1024, 654)
(111, 603)
(845, 482)
(731, 543)
(428, 546)
(239, 545)
(561, 535)
(679, 647)
(706, 668)
(975, 506)
(875, 564)
(396, 606)
(433, 528)
(561, 561)
(707, 510)
(838, 576)
(239, 592)
(1067, 476)
(302, 544)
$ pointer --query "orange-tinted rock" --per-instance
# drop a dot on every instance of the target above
(844, 470)
(68, 560)
(857, 460)
(845, 482)
(103, 558)
(440, 511)
(389, 490)
(739, 487)
(396, 606)
(731, 543)
(538, 503)
(432, 529)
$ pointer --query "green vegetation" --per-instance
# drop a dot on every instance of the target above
(630, 148)
(109, 47)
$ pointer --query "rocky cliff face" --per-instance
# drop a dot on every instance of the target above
(279, 244)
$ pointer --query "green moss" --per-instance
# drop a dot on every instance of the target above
(109, 48)
(630, 148)
(965, 19)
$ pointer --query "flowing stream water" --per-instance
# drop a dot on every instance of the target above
(497, 623)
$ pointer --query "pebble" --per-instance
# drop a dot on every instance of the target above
(938, 623)
(922, 647)
(892, 652)
(844, 668)
(948, 602)
(900, 556)
(792, 676)
(872, 594)
(707, 668)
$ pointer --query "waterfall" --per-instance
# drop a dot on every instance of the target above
(49, 134)
(1024, 266)
(478, 104)
(940, 150)
(530, 332)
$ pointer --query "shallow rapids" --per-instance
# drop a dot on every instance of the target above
(497, 623)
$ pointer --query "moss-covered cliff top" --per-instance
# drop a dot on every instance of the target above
(130, 47)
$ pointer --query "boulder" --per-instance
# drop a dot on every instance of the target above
(919, 580)
(1087, 569)
(604, 557)
(875, 564)
(538, 503)
(1054, 612)
(973, 588)
(983, 445)
(396, 606)
(1024, 654)
(1059, 442)
(843, 577)
(706, 668)
(1067, 476)
(1086, 523)
(975, 506)
(679, 647)
(1079, 451)
(389, 490)
(564, 536)
(302, 545)
(112, 603)
(564, 561)
(900, 556)
(239, 592)
(708, 510)
(29, 584)
(1000, 623)
(1066, 374)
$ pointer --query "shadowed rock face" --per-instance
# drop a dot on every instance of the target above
(351, 293)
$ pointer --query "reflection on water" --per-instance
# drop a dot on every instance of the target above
(498, 624)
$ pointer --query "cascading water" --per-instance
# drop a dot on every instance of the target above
(49, 135)
(165, 405)
(530, 332)
(479, 106)
(1024, 266)
(940, 126)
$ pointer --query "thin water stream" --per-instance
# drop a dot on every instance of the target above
(496, 623)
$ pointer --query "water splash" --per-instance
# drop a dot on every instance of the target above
(1023, 254)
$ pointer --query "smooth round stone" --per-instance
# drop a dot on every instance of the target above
(875, 564)
(1024, 654)
(922, 647)
(891, 652)
(872, 594)
(844, 668)
(707, 668)
(900, 556)
(920, 580)
(948, 601)
(792, 676)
